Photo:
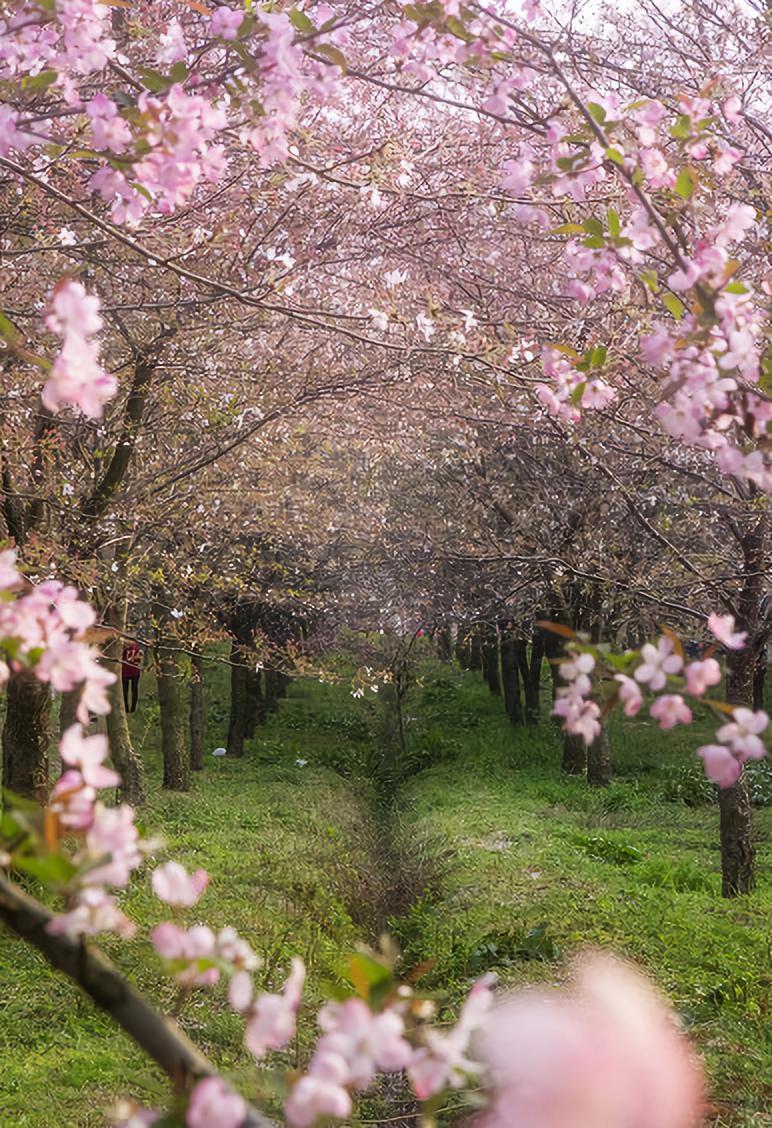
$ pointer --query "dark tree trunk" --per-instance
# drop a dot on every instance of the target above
(68, 707)
(490, 660)
(759, 680)
(463, 650)
(736, 819)
(599, 760)
(530, 672)
(197, 713)
(238, 713)
(253, 710)
(475, 650)
(176, 760)
(444, 644)
(125, 760)
(276, 686)
(574, 754)
(510, 677)
(27, 736)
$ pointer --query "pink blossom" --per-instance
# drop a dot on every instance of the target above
(657, 347)
(87, 753)
(670, 710)
(366, 1041)
(606, 1054)
(10, 577)
(742, 734)
(73, 802)
(721, 766)
(321, 1093)
(658, 662)
(109, 130)
(271, 1021)
(722, 628)
(173, 885)
(579, 663)
(685, 277)
(580, 717)
(739, 219)
(212, 1103)
(443, 1061)
(236, 951)
(225, 22)
(95, 911)
(76, 376)
(196, 947)
(519, 173)
(700, 675)
(113, 835)
(629, 694)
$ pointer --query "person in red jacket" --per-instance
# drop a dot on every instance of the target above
(130, 671)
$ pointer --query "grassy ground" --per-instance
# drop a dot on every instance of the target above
(504, 864)
(534, 865)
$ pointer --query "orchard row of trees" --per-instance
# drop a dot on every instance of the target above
(346, 314)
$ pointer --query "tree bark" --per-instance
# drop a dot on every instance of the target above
(68, 706)
(197, 713)
(734, 803)
(510, 676)
(238, 711)
(27, 737)
(599, 760)
(490, 660)
(475, 649)
(254, 708)
(530, 672)
(176, 761)
(444, 644)
(574, 754)
(125, 760)
(157, 1035)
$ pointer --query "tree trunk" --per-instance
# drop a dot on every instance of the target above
(254, 708)
(197, 714)
(276, 685)
(475, 649)
(490, 660)
(510, 676)
(530, 672)
(176, 760)
(68, 706)
(444, 644)
(734, 804)
(27, 736)
(574, 754)
(125, 760)
(599, 760)
(238, 712)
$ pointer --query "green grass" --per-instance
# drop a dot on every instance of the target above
(622, 868)
(494, 860)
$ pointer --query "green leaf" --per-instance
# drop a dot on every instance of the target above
(153, 80)
(614, 222)
(686, 182)
(179, 72)
(39, 81)
(53, 869)
(675, 305)
(568, 229)
(333, 54)
(682, 127)
(578, 392)
(8, 330)
(594, 241)
(598, 356)
(615, 155)
(736, 288)
(593, 226)
(650, 280)
(597, 112)
(301, 21)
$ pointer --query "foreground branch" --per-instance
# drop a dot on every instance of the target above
(158, 1036)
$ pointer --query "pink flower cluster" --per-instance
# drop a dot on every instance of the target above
(111, 849)
(180, 130)
(571, 389)
(738, 741)
(42, 627)
(77, 378)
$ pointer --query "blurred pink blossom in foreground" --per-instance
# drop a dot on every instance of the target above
(605, 1054)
